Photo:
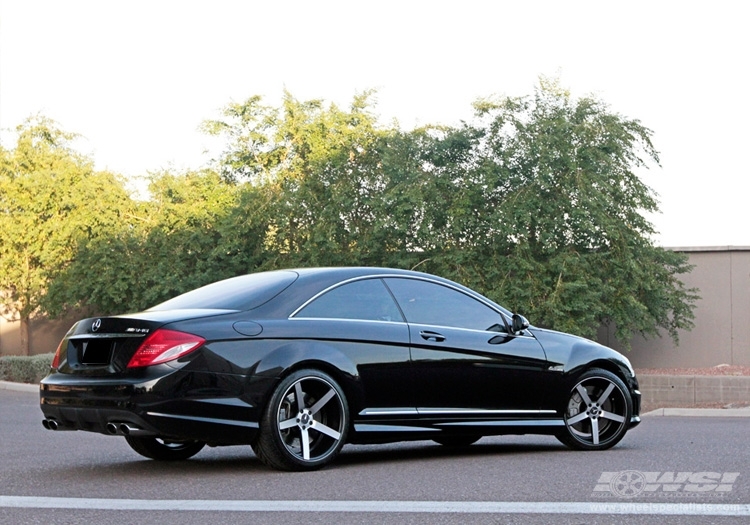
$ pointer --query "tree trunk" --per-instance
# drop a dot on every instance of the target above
(24, 335)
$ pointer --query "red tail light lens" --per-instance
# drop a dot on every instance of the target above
(163, 346)
(56, 360)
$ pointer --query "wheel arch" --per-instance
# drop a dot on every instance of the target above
(316, 355)
(611, 366)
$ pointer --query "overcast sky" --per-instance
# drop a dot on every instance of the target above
(136, 78)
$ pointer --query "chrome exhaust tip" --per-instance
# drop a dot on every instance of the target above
(127, 429)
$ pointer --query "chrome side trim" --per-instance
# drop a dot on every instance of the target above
(222, 401)
(453, 411)
(507, 423)
(246, 424)
(406, 411)
(300, 319)
(389, 412)
(368, 427)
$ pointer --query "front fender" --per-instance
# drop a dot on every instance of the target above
(571, 355)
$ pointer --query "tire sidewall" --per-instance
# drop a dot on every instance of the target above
(572, 440)
(277, 453)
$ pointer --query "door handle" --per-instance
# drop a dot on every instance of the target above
(432, 336)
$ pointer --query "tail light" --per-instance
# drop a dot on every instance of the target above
(163, 346)
(56, 360)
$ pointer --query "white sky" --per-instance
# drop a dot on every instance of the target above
(136, 78)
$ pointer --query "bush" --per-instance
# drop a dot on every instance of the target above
(23, 369)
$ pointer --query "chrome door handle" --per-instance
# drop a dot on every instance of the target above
(432, 336)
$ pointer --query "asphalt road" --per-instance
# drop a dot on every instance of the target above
(694, 467)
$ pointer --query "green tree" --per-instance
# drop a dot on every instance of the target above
(50, 199)
(555, 211)
(194, 229)
(537, 203)
(322, 167)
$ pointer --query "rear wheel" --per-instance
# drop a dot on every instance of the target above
(305, 423)
(163, 449)
(597, 413)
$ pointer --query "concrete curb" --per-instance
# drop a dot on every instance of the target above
(19, 387)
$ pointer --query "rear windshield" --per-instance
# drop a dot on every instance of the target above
(238, 293)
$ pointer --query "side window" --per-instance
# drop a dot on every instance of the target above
(368, 299)
(429, 303)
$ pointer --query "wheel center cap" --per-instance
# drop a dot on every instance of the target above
(594, 411)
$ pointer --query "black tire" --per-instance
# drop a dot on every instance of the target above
(164, 450)
(456, 441)
(305, 423)
(597, 412)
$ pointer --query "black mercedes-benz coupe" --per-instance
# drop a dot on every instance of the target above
(296, 363)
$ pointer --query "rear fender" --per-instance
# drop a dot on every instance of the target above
(313, 354)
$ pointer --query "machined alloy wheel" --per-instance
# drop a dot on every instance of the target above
(597, 413)
(305, 423)
(163, 449)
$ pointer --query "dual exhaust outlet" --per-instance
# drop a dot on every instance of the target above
(113, 427)
(126, 429)
(51, 424)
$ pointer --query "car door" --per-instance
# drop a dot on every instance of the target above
(464, 358)
(361, 320)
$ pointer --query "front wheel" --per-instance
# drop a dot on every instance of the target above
(305, 423)
(597, 413)
(164, 450)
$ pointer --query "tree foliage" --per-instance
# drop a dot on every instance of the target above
(50, 199)
(195, 229)
(536, 202)
(563, 222)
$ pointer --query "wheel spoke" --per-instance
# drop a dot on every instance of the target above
(299, 395)
(305, 441)
(606, 393)
(322, 401)
(289, 423)
(612, 416)
(305, 424)
(595, 430)
(584, 394)
(577, 418)
(328, 431)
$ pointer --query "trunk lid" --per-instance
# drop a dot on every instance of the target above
(104, 345)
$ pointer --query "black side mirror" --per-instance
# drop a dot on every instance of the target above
(520, 323)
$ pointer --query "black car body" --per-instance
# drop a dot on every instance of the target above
(297, 363)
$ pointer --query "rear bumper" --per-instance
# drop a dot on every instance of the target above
(167, 403)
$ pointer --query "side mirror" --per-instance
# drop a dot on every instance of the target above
(520, 323)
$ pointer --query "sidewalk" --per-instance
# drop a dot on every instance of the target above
(18, 387)
(699, 412)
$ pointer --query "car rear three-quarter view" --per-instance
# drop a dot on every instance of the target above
(297, 363)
